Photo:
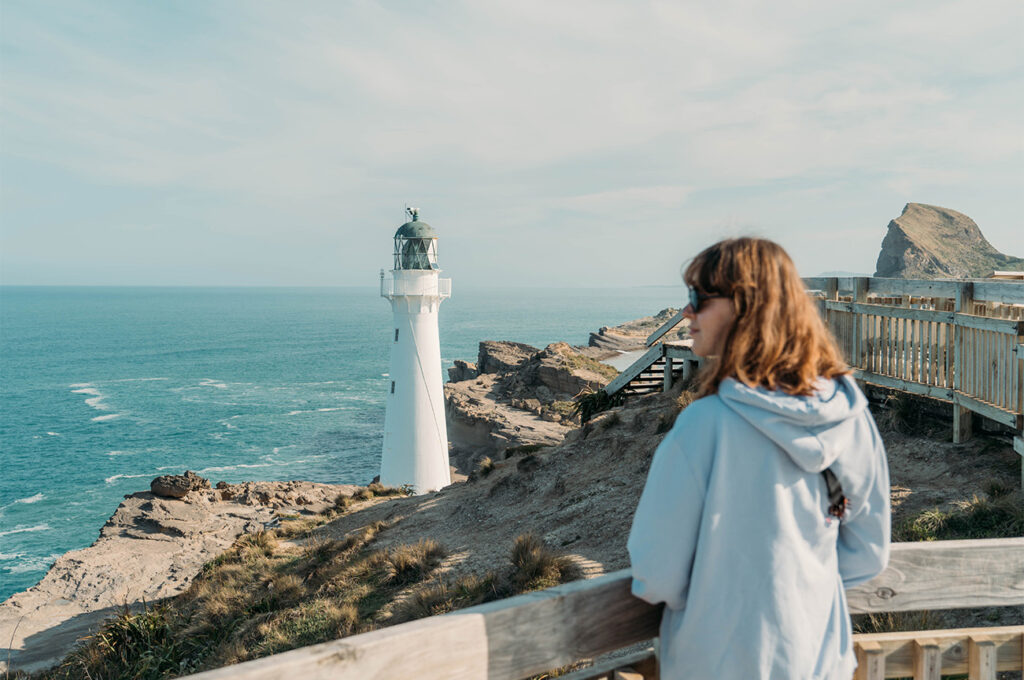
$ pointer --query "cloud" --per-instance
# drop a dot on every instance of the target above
(325, 117)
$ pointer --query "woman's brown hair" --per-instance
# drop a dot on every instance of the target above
(778, 340)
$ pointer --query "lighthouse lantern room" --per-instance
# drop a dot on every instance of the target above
(415, 436)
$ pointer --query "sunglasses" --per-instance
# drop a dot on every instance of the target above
(697, 299)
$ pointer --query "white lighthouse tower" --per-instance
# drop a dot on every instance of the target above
(415, 434)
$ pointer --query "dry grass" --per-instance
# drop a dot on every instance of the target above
(483, 468)
(993, 516)
(256, 599)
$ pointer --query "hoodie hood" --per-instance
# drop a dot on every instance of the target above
(813, 430)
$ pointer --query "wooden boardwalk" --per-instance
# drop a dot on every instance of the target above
(961, 342)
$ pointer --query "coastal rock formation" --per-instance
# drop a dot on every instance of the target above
(521, 396)
(929, 242)
(151, 548)
(632, 335)
(462, 370)
(503, 356)
(178, 486)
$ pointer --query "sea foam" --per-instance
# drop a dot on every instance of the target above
(24, 530)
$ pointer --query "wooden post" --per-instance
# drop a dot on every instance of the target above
(870, 661)
(860, 296)
(668, 374)
(981, 658)
(963, 304)
(927, 660)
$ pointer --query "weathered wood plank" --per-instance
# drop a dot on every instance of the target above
(870, 661)
(916, 287)
(981, 658)
(983, 573)
(990, 411)
(927, 659)
(987, 323)
(933, 391)
(963, 301)
(644, 658)
(1006, 292)
(900, 648)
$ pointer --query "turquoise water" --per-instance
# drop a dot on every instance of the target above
(101, 389)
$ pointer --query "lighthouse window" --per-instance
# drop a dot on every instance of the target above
(396, 335)
(392, 387)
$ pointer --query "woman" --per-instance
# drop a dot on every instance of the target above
(734, 531)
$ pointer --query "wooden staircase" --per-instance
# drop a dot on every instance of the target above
(659, 367)
(652, 379)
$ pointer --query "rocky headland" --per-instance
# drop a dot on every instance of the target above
(150, 549)
(929, 242)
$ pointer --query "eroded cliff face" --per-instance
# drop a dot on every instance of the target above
(929, 242)
(517, 395)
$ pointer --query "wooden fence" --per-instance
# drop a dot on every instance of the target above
(529, 634)
(958, 341)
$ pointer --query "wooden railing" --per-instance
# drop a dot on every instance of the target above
(532, 633)
(958, 341)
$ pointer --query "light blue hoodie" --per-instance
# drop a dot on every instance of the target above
(733, 534)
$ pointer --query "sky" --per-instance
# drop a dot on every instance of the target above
(559, 143)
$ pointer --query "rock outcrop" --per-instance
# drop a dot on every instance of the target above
(178, 486)
(520, 396)
(929, 242)
(632, 335)
(151, 548)
(502, 357)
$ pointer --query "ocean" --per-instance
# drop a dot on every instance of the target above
(102, 389)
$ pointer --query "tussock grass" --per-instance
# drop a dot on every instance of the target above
(535, 566)
(1001, 515)
(589, 404)
(256, 599)
(484, 467)
(532, 566)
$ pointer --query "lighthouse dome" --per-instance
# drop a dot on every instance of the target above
(415, 229)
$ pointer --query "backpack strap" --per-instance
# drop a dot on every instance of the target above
(837, 500)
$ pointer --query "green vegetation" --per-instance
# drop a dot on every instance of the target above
(532, 566)
(261, 598)
(579, 362)
(589, 404)
(483, 468)
(992, 516)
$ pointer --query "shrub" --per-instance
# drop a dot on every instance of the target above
(978, 517)
(535, 566)
(590, 404)
(483, 468)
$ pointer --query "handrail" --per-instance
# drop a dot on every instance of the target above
(988, 290)
(665, 328)
(528, 634)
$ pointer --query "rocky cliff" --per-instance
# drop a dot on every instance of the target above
(929, 242)
(516, 395)
(151, 548)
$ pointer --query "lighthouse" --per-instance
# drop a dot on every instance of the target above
(415, 434)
